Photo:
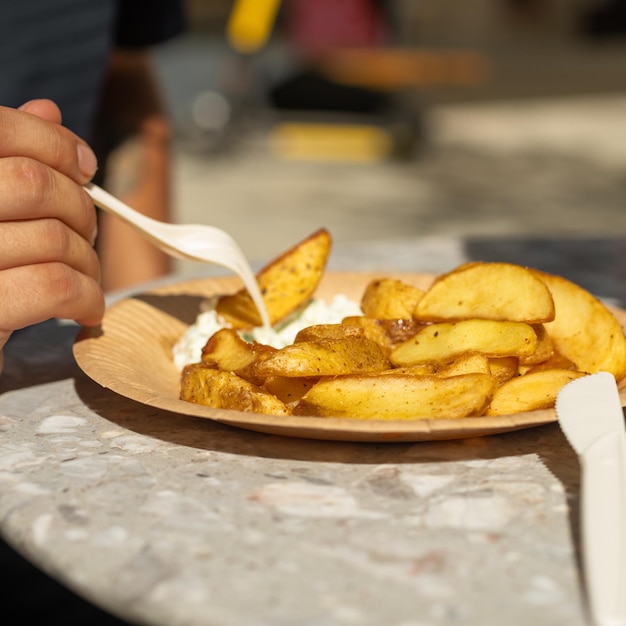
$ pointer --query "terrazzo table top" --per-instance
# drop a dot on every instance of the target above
(170, 520)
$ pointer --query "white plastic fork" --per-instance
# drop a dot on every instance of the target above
(197, 242)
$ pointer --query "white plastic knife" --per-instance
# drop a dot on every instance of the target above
(591, 417)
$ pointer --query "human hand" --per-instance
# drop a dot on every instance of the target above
(48, 267)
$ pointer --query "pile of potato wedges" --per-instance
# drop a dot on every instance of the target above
(485, 339)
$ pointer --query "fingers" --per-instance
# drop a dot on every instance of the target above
(31, 190)
(48, 267)
(40, 165)
(55, 242)
(35, 293)
(26, 134)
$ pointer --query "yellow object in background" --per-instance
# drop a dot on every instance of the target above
(330, 142)
(250, 24)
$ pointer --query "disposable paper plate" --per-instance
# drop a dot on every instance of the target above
(131, 355)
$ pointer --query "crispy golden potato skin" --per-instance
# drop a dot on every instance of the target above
(319, 332)
(227, 351)
(493, 291)
(398, 362)
(286, 284)
(388, 333)
(397, 397)
(503, 368)
(442, 342)
(326, 357)
(390, 299)
(224, 390)
(289, 389)
(532, 391)
(584, 330)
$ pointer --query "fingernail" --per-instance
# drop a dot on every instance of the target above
(87, 162)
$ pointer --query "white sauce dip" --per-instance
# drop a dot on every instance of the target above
(188, 349)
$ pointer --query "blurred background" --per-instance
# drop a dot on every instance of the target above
(398, 118)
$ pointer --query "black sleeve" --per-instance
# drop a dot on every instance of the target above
(142, 23)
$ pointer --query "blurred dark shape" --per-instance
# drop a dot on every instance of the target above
(314, 29)
(606, 21)
(308, 90)
(30, 596)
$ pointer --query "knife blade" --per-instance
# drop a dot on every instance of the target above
(590, 414)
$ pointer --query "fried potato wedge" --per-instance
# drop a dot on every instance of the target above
(327, 357)
(530, 392)
(494, 291)
(286, 283)
(504, 367)
(318, 332)
(545, 347)
(397, 397)
(421, 369)
(486, 339)
(227, 351)
(387, 333)
(390, 298)
(471, 363)
(584, 329)
(372, 329)
(399, 330)
(224, 390)
(288, 389)
(556, 362)
(445, 341)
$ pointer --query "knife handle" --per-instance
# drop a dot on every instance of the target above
(603, 522)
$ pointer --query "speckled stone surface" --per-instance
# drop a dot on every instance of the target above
(169, 520)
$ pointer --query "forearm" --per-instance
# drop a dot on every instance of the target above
(134, 141)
